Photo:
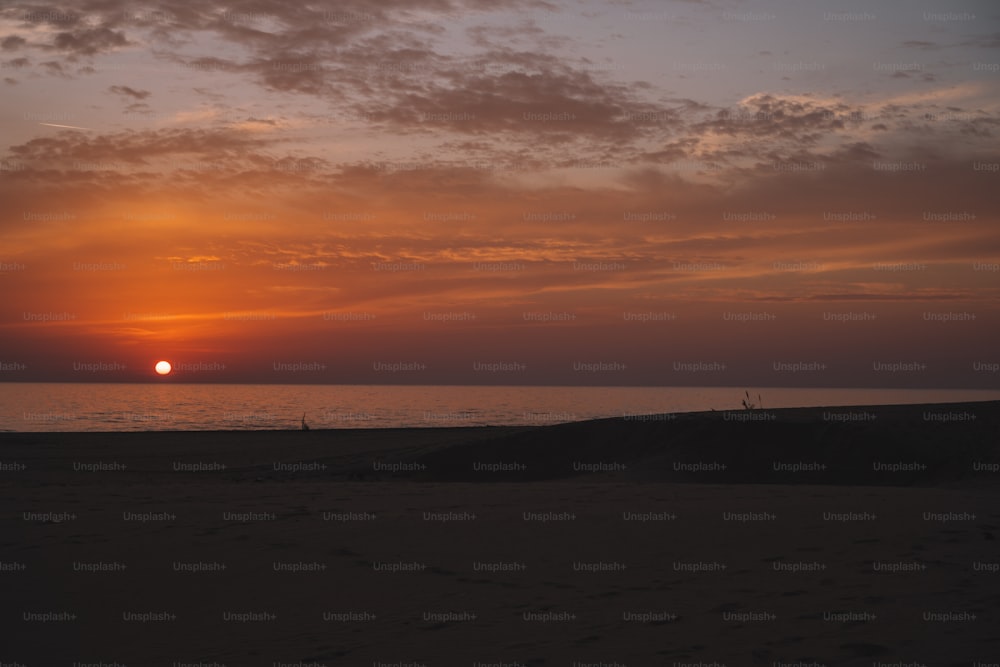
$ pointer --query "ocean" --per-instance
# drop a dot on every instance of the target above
(183, 407)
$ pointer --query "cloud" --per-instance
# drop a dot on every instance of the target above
(88, 41)
(921, 44)
(12, 42)
(139, 148)
(55, 67)
(987, 41)
(127, 91)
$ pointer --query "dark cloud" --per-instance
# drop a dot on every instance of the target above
(922, 44)
(987, 41)
(89, 41)
(991, 41)
(937, 295)
(127, 91)
(139, 148)
(522, 96)
(55, 67)
(17, 63)
(12, 42)
(527, 32)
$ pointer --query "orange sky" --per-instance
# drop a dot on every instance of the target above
(266, 196)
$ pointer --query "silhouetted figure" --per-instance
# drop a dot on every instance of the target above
(305, 426)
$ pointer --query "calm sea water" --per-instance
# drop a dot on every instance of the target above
(138, 407)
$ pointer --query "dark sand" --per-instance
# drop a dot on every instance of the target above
(914, 490)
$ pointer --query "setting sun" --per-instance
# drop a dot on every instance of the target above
(162, 367)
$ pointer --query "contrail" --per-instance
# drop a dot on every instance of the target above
(72, 127)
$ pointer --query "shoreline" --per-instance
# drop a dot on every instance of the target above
(779, 413)
(889, 444)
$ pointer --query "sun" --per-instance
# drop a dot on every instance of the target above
(162, 368)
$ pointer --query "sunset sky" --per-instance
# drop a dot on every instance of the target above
(701, 192)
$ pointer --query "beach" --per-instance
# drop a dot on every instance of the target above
(842, 536)
(525, 333)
